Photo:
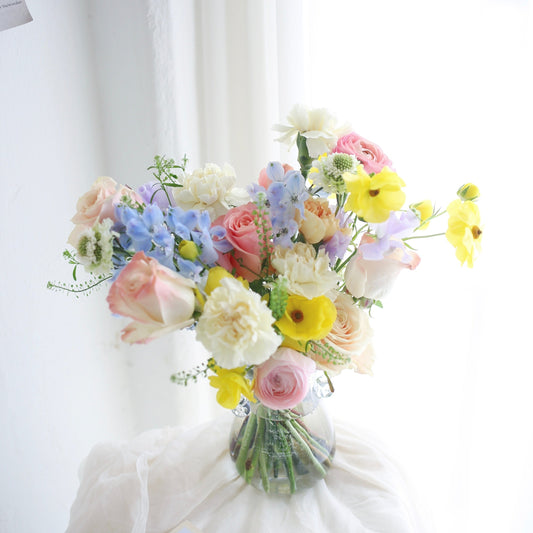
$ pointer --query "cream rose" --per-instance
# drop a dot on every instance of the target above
(210, 189)
(306, 270)
(350, 336)
(97, 204)
(319, 223)
(236, 326)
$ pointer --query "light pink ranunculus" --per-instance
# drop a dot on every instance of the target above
(158, 299)
(369, 153)
(97, 204)
(282, 381)
(241, 233)
(265, 181)
(374, 279)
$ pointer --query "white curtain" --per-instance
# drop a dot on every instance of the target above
(445, 89)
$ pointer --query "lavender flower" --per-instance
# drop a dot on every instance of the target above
(389, 236)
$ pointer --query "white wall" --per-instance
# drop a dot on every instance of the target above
(62, 380)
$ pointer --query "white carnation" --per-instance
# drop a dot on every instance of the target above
(306, 270)
(210, 189)
(94, 249)
(318, 126)
(236, 326)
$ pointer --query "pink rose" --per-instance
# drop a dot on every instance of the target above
(282, 381)
(158, 299)
(241, 233)
(97, 204)
(265, 181)
(374, 279)
(370, 154)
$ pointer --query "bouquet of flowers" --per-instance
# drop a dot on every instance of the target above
(276, 280)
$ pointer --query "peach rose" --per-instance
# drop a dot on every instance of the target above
(374, 279)
(369, 153)
(282, 381)
(98, 204)
(241, 232)
(319, 223)
(158, 299)
(350, 336)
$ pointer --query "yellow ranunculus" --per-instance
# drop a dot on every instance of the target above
(464, 231)
(307, 319)
(373, 198)
(231, 384)
(215, 275)
(424, 210)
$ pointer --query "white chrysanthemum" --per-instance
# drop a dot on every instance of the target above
(236, 326)
(327, 171)
(95, 247)
(210, 189)
(318, 126)
(307, 271)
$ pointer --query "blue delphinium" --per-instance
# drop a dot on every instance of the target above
(285, 196)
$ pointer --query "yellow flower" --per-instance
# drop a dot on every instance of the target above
(373, 198)
(307, 319)
(468, 191)
(188, 250)
(231, 384)
(424, 210)
(464, 232)
(214, 277)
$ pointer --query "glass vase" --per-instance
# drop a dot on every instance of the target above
(283, 451)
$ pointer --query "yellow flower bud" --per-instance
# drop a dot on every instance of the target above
(188, 250)
(468, 191)
(214, 277)
(424, 210)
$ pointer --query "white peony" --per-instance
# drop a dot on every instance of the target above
(236, 326)
(307, 271)
(210, 189)
(318, 126)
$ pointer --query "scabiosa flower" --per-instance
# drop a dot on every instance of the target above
(327, 171)
(95, 247)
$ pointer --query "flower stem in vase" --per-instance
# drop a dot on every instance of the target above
(286, 451)
(247, 438)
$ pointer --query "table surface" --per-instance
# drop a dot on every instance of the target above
(169, 476)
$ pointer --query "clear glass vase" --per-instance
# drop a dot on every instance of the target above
(283, 451)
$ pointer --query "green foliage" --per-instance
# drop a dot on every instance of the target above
(186, 376)
(325, 351)
(163, 172)
(278, 298)
(305, 161)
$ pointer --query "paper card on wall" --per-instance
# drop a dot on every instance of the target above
(13, 13)
(186, 527)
